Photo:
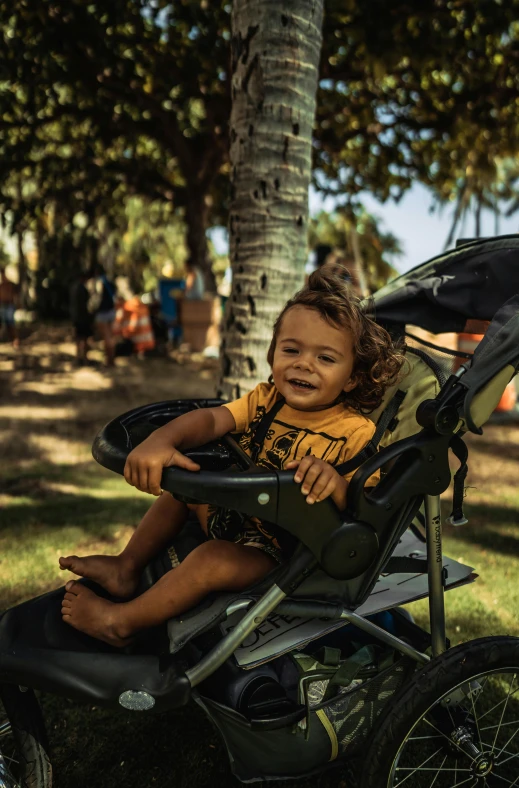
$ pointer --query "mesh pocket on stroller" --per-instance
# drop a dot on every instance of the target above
(343, 698)
(347, 703)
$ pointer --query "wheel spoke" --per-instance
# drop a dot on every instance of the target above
(463, 782)
(504, 709)
(5, 728)
(425, 769)
(485, 680)
(475, 716)
(507, 743)
(515, 755)
(497, 705)
(426, 738)
(491, 727)
(437, 773)
(415, 769)
(11, 760)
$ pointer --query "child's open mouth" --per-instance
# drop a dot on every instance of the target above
(301, 385)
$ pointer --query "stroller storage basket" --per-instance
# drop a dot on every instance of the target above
(332, 729)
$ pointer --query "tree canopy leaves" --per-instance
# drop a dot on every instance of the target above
(425, 91)
(102, 100)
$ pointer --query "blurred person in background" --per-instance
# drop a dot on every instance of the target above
(317, 258)
(103, 299)
(8, 304)
(195, 285)
(82, 319)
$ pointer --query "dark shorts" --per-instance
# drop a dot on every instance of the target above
(248, 531)
(83, 329)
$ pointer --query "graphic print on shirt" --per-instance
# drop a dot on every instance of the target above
(279, 452)
(284, 442)
(246, 438)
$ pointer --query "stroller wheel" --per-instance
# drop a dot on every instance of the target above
(24, 762)
(455, 724)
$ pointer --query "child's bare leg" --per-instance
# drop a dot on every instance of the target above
(119, 574)
(213, 566)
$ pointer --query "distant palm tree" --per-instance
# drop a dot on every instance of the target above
(359, 237)
(483, 187)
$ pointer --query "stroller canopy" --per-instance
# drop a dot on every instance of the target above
(470, 282)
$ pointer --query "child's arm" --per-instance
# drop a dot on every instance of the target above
(145, 463)
(319, 480)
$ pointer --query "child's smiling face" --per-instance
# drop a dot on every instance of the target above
(313, 360)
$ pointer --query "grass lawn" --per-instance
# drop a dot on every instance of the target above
(54, 499)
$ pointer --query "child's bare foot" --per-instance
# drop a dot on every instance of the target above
(89, 613)
(114, 574)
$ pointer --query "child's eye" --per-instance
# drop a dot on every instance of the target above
(289, 350)
(327, 358)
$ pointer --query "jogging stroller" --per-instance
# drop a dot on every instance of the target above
(318, 663)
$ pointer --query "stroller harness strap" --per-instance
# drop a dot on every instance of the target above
(386, 420)
(262, 427)
(459, 449)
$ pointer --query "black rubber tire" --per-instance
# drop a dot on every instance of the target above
(28, 731)
(426, 686)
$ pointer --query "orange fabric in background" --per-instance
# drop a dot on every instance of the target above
(468, 343)
(132, 321)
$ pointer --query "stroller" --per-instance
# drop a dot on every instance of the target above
(318, 664)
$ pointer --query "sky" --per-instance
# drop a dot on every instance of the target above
(422, 235)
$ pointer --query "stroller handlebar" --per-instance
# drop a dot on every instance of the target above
(253, 490)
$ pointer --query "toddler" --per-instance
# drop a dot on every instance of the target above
(330, 364)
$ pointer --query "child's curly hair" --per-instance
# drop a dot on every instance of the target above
(377, 359)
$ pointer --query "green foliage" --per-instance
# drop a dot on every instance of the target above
(102, 101)
(144, 238)
(377, 248)
(418, 92)
(129, 98)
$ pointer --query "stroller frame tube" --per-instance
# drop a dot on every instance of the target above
(220, 653)
(433, 527)
(384, 636)
(272, 598)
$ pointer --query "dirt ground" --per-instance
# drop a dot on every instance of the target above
(49, 407)
(43, 374)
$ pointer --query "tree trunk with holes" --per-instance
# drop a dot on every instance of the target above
(275, 58)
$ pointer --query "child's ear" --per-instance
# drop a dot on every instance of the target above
(352, 382)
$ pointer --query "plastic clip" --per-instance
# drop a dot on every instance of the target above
(456, 522)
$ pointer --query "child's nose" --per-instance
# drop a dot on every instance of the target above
(304, 361)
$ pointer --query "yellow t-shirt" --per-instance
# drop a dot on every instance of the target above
(335, 435)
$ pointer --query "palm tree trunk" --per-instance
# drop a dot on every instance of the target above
(359, 262)
(275, 54)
